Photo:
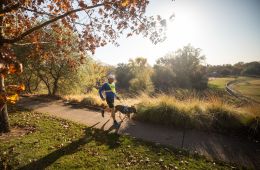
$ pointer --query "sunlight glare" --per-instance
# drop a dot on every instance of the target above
(184, 29)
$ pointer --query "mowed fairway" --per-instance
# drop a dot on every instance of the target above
(247, 86)
(220, 83)
(250, 88)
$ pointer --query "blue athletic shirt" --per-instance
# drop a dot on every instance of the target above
(107, 89)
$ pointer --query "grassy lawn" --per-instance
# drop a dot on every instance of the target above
(249, 88)
(59, 144)
(219, 83)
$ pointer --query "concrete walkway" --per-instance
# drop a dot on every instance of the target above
(212, 145)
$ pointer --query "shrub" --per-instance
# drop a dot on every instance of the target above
(92, 101)
(225, 119)
(164, 110)
(163, 113)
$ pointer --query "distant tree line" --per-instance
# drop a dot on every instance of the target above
(180, 69)
(238, 69)
(64, 70)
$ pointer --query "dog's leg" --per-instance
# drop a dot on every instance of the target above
(128, 116)
(125, 117)
(120, 116)
(115, 112)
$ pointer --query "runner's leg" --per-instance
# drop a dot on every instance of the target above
(113, 114)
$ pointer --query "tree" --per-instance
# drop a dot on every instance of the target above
(237, 68)
(29, 77)
(141, 83)
(184, 69)
(55, 64)
(225, 72)
(123, 76)
(240, 68)
(163, 78)
(135, 76)
(141, 72)
(51, 64)
(58, 69)
(106, 21)
(251, 69)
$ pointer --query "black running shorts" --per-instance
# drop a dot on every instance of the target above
(110, 102)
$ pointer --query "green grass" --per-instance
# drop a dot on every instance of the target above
(219, 83)
(60, 144)
(211, 114)
(249, 88)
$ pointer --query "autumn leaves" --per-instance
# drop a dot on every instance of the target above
(11, 92)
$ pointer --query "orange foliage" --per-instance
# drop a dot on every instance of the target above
(105, 21)
(12, 94)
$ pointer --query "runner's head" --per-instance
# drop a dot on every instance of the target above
(111, 78)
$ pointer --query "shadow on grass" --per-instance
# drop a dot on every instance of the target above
(91, 134)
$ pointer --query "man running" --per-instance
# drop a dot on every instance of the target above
(110, 91)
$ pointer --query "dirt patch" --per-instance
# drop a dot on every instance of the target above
(16, 132)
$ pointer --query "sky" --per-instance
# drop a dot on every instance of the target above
(227, 31)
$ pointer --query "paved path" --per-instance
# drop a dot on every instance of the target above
(212, 145)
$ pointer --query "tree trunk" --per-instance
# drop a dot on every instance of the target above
(46, 82)
(4, 120)
(28, 85)
(49, 90)
(55, 87)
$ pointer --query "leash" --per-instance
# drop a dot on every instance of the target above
(184, 133)
(122, 101)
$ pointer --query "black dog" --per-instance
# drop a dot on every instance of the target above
(125, 110)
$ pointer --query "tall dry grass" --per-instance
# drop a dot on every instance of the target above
(91, 99)
(94, 100)
(210, 114)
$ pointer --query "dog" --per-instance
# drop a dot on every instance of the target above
(126, 110)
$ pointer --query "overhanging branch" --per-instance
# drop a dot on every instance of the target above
(20, 37)
(32, 43)
(48, 14)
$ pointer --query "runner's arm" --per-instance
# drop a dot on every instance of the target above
(117, 97)
(101, 89)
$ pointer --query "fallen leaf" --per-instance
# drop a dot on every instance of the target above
(160, 160)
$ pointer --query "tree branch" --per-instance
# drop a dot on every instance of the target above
(20, 37)
(33, 43)
(9, 9)
(48, 14)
